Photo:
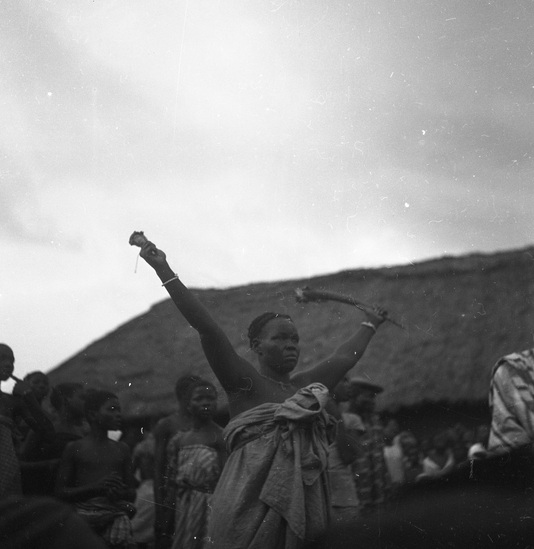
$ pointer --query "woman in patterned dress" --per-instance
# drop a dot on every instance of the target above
(195, 460)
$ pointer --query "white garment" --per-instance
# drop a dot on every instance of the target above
(395, 462)
(143, 521)
(431, 468)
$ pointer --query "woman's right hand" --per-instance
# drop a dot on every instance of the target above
(154, 257)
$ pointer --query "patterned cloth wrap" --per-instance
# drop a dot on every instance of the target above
(511, 401)
(273, 492)
(193, 471)
(10, 484)
(373, 482)
(109, 519)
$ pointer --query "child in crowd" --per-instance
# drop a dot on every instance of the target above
(196, 459)
(95, 473)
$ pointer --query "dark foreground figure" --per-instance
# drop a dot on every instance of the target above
(485, 504)
(43, 523)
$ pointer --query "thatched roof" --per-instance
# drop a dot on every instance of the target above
(462, 313)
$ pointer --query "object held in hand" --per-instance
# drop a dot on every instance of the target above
(138, 238)
(303, 295)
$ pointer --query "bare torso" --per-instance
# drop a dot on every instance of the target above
(94, 460)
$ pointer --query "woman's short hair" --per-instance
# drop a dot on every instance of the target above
(182, 385)
(36, 373)
(194, 385)
(95, 399)
(256, 326)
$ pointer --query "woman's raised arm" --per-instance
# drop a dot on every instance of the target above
(331, 371)
(231, 370)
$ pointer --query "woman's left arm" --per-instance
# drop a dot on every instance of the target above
(331, 371)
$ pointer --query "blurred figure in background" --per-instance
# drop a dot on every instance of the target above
(393, 453)
(143, 521)
(373, 482)
(342, 454)
(20, 404)
(440, 459)
(40, 385)
(40, 456)
(411, 452)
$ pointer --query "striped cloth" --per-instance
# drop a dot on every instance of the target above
(511, 401)
(373, 482)
(194, 470)
(109, 519)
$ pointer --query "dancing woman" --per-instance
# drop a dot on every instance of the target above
(273, 491)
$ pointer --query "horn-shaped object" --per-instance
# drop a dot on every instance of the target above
(304, 295)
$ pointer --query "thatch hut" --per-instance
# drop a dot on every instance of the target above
(461, 314)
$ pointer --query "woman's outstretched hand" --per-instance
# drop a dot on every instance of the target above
(376, 315)
(154, 257)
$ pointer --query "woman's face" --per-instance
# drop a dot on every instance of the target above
(203, 402)
(109, 415)
(278, 345)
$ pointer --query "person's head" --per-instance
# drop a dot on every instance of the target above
(391, 429)
(441, 441)
(7, 362)
(341, 391)
(275, 340)
(201, 399)
(362, 395)
(182, 385)
(38, 381)
(102, 408)
(70, 398)
(410, 446)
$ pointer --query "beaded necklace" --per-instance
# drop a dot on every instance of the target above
(285, 386)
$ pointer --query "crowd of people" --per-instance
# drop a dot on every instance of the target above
(305, 455)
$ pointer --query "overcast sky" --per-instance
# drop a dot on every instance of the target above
(253, 141)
